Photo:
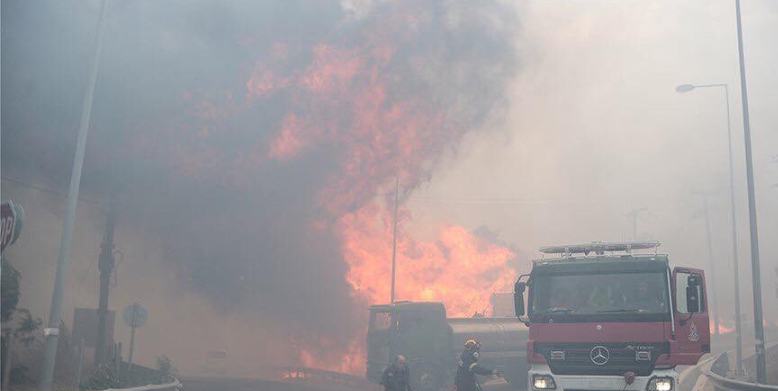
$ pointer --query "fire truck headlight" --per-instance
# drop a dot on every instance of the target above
(660, 384)
(543, 382)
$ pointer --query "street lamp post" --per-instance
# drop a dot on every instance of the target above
(761, 367)
(735, 263)
(55, 312)
(756, 279)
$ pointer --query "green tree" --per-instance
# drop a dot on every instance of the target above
(9, 290)
(165, 366)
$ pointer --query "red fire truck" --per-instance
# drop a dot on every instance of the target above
(603, 317)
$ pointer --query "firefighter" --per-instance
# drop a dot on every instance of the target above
(468, 367)
(645, 300)
(396, 376)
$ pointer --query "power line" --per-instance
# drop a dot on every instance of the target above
(47, 190)
(528, 201)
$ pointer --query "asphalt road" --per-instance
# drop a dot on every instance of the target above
(231, 384)
(690, 379)
(498, 385)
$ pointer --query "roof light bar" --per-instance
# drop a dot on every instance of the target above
(600, 248)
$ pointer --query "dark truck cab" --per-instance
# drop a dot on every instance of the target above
(431, 343)
(596, 316)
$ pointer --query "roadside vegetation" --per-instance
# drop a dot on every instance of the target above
(28, 344)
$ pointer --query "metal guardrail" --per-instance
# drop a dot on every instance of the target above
(172, 386)
(717, 376)
(721, 383)
(693, 378)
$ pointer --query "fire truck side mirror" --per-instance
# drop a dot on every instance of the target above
(693, 295)
(518, 298)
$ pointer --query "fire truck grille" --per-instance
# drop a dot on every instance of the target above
(605, 359)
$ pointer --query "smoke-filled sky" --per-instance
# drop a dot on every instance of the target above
(253, 145)
(595, 130)
(249, 145)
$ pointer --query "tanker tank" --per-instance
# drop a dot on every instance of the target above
(495, 334)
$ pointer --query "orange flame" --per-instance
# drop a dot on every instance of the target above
(352, 361)
(342, 98)
(458, 269)
(722, 329)
(351, 98)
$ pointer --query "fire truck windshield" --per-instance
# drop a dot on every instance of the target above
(642, 294)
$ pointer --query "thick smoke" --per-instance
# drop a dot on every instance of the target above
(237, 133)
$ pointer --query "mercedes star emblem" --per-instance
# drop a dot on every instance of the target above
(600, 355)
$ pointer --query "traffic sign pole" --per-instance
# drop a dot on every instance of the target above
(132, 348)
(134, 316)
(132, 337)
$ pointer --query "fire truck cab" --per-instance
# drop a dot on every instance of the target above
(602, 317)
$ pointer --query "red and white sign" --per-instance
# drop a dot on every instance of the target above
(11, 224)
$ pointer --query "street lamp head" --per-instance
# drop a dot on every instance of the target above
(684, 88)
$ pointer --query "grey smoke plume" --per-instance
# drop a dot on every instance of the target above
(192, 99)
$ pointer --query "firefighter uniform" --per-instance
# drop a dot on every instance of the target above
(396, 379)
(468, 369)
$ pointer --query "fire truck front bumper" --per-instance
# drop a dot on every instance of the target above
(541, 379)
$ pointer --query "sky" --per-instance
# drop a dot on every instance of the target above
(571, 122)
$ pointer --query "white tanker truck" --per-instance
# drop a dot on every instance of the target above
(431, 343)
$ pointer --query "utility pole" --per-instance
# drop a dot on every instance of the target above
(63, 261)
(394, 233)
(633, 215)
(761, 367)
(106, 265)
(714, 286)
